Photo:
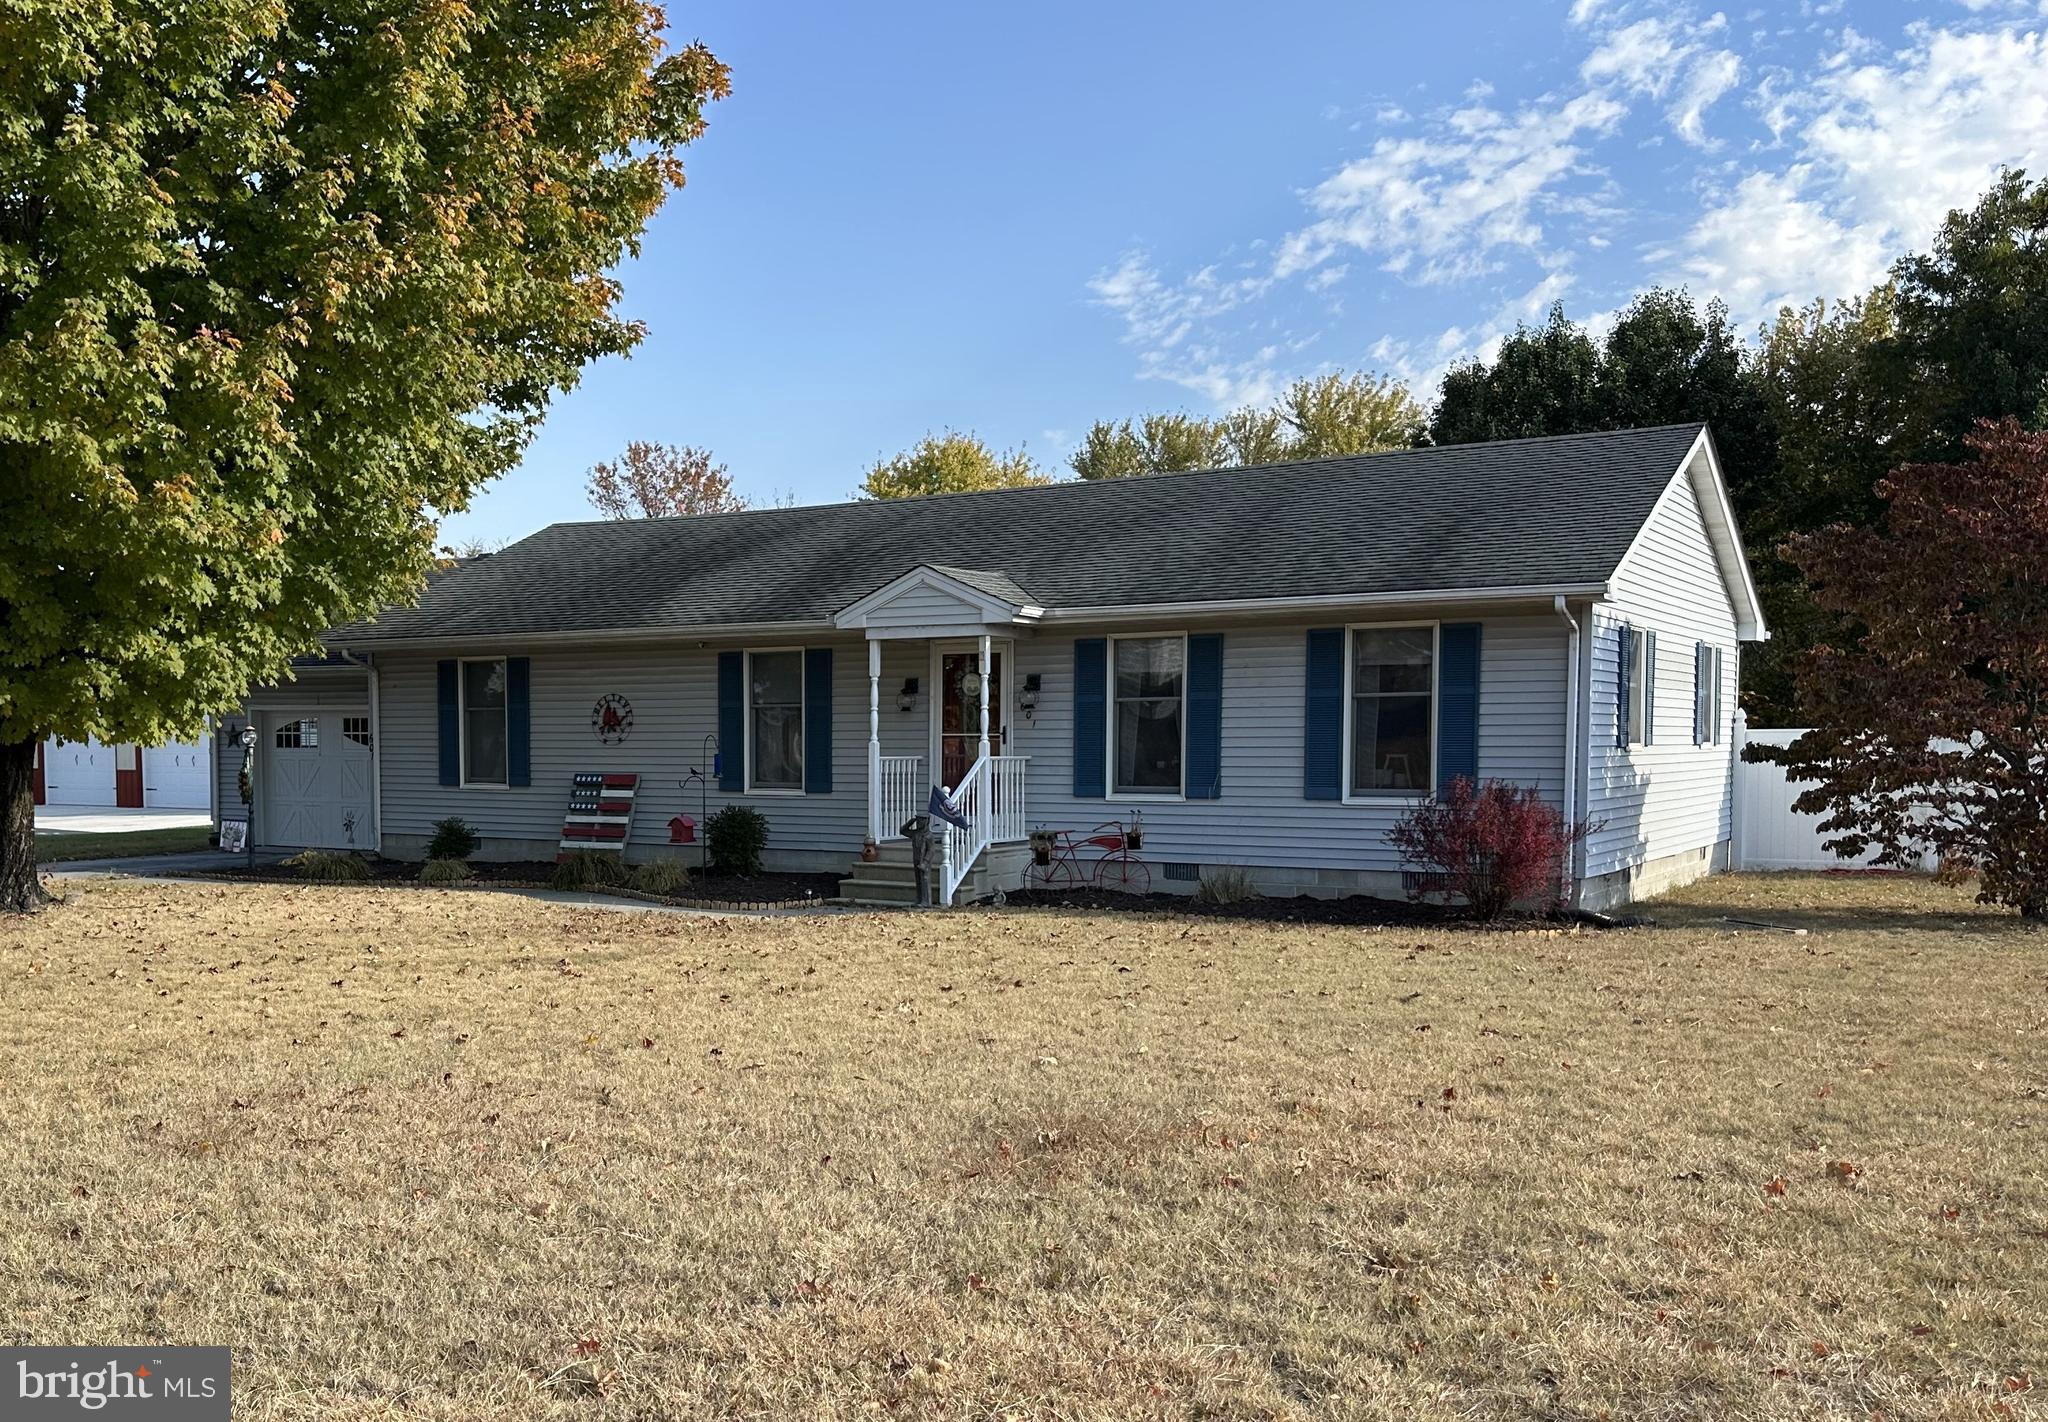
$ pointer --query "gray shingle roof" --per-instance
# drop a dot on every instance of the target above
(1533, 512)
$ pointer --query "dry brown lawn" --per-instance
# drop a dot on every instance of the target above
(456, 1155)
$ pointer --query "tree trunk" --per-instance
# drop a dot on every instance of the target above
(20, 890)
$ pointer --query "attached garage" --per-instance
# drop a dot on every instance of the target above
(315, 779)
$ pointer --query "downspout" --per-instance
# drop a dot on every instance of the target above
(1571, 745)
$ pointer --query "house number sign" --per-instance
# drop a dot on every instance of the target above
(612, 718)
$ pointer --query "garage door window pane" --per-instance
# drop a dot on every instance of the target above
(298, 735)
(483, 723)
(356, 729)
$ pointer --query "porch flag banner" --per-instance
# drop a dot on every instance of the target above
(942, 808)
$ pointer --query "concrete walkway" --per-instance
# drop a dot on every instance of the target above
(177, 869)
(102, 819)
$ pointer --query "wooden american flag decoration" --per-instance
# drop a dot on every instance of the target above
(600, 813)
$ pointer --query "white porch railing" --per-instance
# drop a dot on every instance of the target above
(903, 791)
(990, 798)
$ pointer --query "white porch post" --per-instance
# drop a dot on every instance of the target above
(984, 697)
(875, 741)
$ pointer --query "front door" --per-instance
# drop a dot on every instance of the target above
(959, 711)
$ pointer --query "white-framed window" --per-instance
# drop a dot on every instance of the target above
(1148, 714)
(775, 720)
(1642, 687)
(356, 729)
(302, 734)
(1707, 695)
(484, 735)
(1390, 696)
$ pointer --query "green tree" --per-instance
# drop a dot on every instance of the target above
(1543, 381)
(1830, 379)
(1315, 418)
(1973, 319)
(949, 463)
(1348, 414)
(282, 283)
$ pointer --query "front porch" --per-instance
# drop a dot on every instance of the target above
(950, 636)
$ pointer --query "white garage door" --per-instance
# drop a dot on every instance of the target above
(78, 773)
(315, 771)
(174, 776)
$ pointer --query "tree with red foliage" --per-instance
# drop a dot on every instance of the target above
(1494, 845)
(661, 481)
(1929, 700)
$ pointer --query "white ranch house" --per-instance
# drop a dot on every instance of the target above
(1269, 664)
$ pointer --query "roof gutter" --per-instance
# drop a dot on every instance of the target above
(1352, 602)
(1121, 612)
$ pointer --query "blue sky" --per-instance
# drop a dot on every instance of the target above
(1017, 221)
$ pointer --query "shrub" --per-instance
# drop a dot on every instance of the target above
(588, 869)
(735, 837)
(661, 876)
(1226, 884)
(1494, 845)
(328, 866)
(454, 838)
(444, 871)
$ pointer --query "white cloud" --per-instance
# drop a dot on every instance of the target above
(1442, 206)
(1711, 77)
(1852, 153)
(1882, 152)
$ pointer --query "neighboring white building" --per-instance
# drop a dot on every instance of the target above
(175, 775)
(1271, 665)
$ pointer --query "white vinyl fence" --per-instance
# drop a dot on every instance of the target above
(1769, 833)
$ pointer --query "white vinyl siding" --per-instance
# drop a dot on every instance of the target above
(1262, 819)
(1671, 795)
(674, 691)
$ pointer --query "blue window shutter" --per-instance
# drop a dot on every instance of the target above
(445, 674)
(1091, 715)
(1322, 734)
(1649, 687)
(732, 721)
(518, 721)
(1205, 717)
(1625, 639)
(1457, 711)
(817, 720)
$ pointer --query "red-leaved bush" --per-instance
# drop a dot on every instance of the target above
(1494, 845)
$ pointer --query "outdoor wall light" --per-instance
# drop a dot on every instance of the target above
(1027, 697)
(906, 699)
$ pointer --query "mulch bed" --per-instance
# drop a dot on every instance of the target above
(1355, 909)
(750, 891)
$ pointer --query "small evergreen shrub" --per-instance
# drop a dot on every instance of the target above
(1494, 844)
(586, 869)
(1226, 884)
(454, 838)
(328, 867)
(444, 871)
(735, 837)
(661, 876)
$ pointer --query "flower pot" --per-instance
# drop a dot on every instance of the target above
(870, 852)
(1041, 854)
(1135, 839)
